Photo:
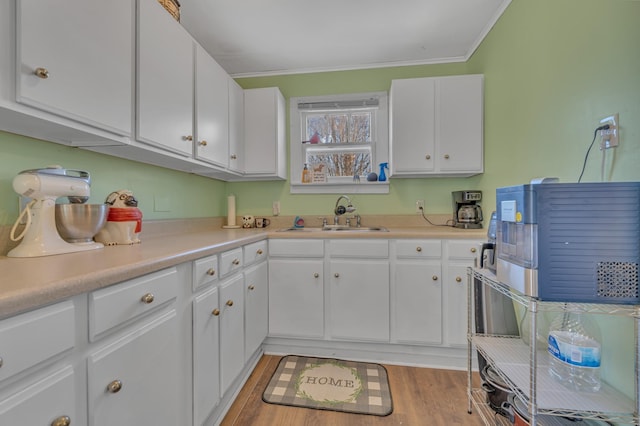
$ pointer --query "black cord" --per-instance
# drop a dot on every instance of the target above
(430, 223)
(595, 133)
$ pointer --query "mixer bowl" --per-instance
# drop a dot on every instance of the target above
(79, 223)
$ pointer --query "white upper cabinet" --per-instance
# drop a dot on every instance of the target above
(236, 126)
(76, 60)
(264, 134)
(164, 81)
(437, 126)
(212, 110)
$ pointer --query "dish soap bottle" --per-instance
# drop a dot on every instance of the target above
(306, 174)
(574, 349)
(381, 176)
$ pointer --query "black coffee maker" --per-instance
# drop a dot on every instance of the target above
(467, 213)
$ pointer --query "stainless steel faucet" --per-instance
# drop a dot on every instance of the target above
(339, 210)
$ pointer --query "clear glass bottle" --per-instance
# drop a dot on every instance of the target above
(575, 351)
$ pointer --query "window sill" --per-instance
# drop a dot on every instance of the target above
(340, 188)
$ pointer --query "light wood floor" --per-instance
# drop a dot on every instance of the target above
(421, 397)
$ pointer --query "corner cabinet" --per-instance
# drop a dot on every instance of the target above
(264, 134)
(437, 126)
(523, 367)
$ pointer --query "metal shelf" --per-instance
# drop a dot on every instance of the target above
(487, 414)
(519, 365)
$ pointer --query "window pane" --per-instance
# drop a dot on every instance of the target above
(360, 127)
(343, 163)
(339, 127)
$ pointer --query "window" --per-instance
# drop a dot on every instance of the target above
(340, 138)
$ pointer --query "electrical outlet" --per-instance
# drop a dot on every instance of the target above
(276, 208)
(609, 137)
(419, 206)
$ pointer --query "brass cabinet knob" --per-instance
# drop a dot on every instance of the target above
(316, 275)
(1, 362)
(418, 249)
(435, 278)
(252, 287)
(236, 262)
(61, 421)
(234, 157)
(187, 138)
(446, 156)
(337, 275)
(211, 271)
(115, 386)
(458, 279)
(427, 157)
(473, 249)
(229, 302)
(42, 73)
(147, 298)
(215, 312)
(202, 143)
(259, 251)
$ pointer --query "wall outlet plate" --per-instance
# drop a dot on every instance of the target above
(419, 206)
(609, 138)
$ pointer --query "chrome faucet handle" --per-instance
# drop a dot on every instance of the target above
(324, 221)
(348, 221)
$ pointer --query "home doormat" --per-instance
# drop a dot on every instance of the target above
(330, 384)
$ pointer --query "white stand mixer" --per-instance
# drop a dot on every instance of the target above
(44, 186)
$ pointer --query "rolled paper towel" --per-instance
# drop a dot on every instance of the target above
(231, 210)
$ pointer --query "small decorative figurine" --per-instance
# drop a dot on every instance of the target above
(124, 221)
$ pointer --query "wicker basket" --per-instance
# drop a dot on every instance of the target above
(172, 6)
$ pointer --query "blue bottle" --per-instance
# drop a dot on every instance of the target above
(381, 176)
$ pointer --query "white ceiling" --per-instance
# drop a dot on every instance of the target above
(266, 37)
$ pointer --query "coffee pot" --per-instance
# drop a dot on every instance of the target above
(467, 212)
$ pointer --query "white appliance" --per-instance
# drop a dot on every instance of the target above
(40, 236)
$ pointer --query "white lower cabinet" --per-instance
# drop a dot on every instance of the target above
(460, 254)
(231, 330)
(296, 288)
(206, 354)
(132, 381)
(45, 402)
(256, 305)
(416, 288)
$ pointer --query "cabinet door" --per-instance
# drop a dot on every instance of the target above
(86, 47)
(264, 133)
(212, 110)
(256, 308)
(231, 330)
(412, 126)
(296, 298)
(206, 354)
(236, 126)
(165, 80)
(359, 307)
(49, 399)
(455, 300)
(459, 123)
(417, 296)
(132, 381)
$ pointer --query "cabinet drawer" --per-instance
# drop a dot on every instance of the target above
(33, 337)
(463, 249)
(359, 248)
(296, 248)
(255, 252)
(205, 271)
(419, 249)
(113, 306)
(230, 261)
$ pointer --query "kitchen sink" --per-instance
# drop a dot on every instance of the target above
(338, 228)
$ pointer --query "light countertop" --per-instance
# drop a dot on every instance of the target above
(27, 283)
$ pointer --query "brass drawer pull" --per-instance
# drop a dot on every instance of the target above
(211, 271)
(61, 421)
(229, 302)
(215, 312)
(473, 249)
(458, 279)
(337, 275)
(259, 251)
(236, 262)
(252, 287)
(446, 156)
(435, 278)
(428, 157)
(187, 138)
(42, 73)
(202, 143)
(234, 157)
(147, 298)
(316, 275)
(115, 386)
(418, 249)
